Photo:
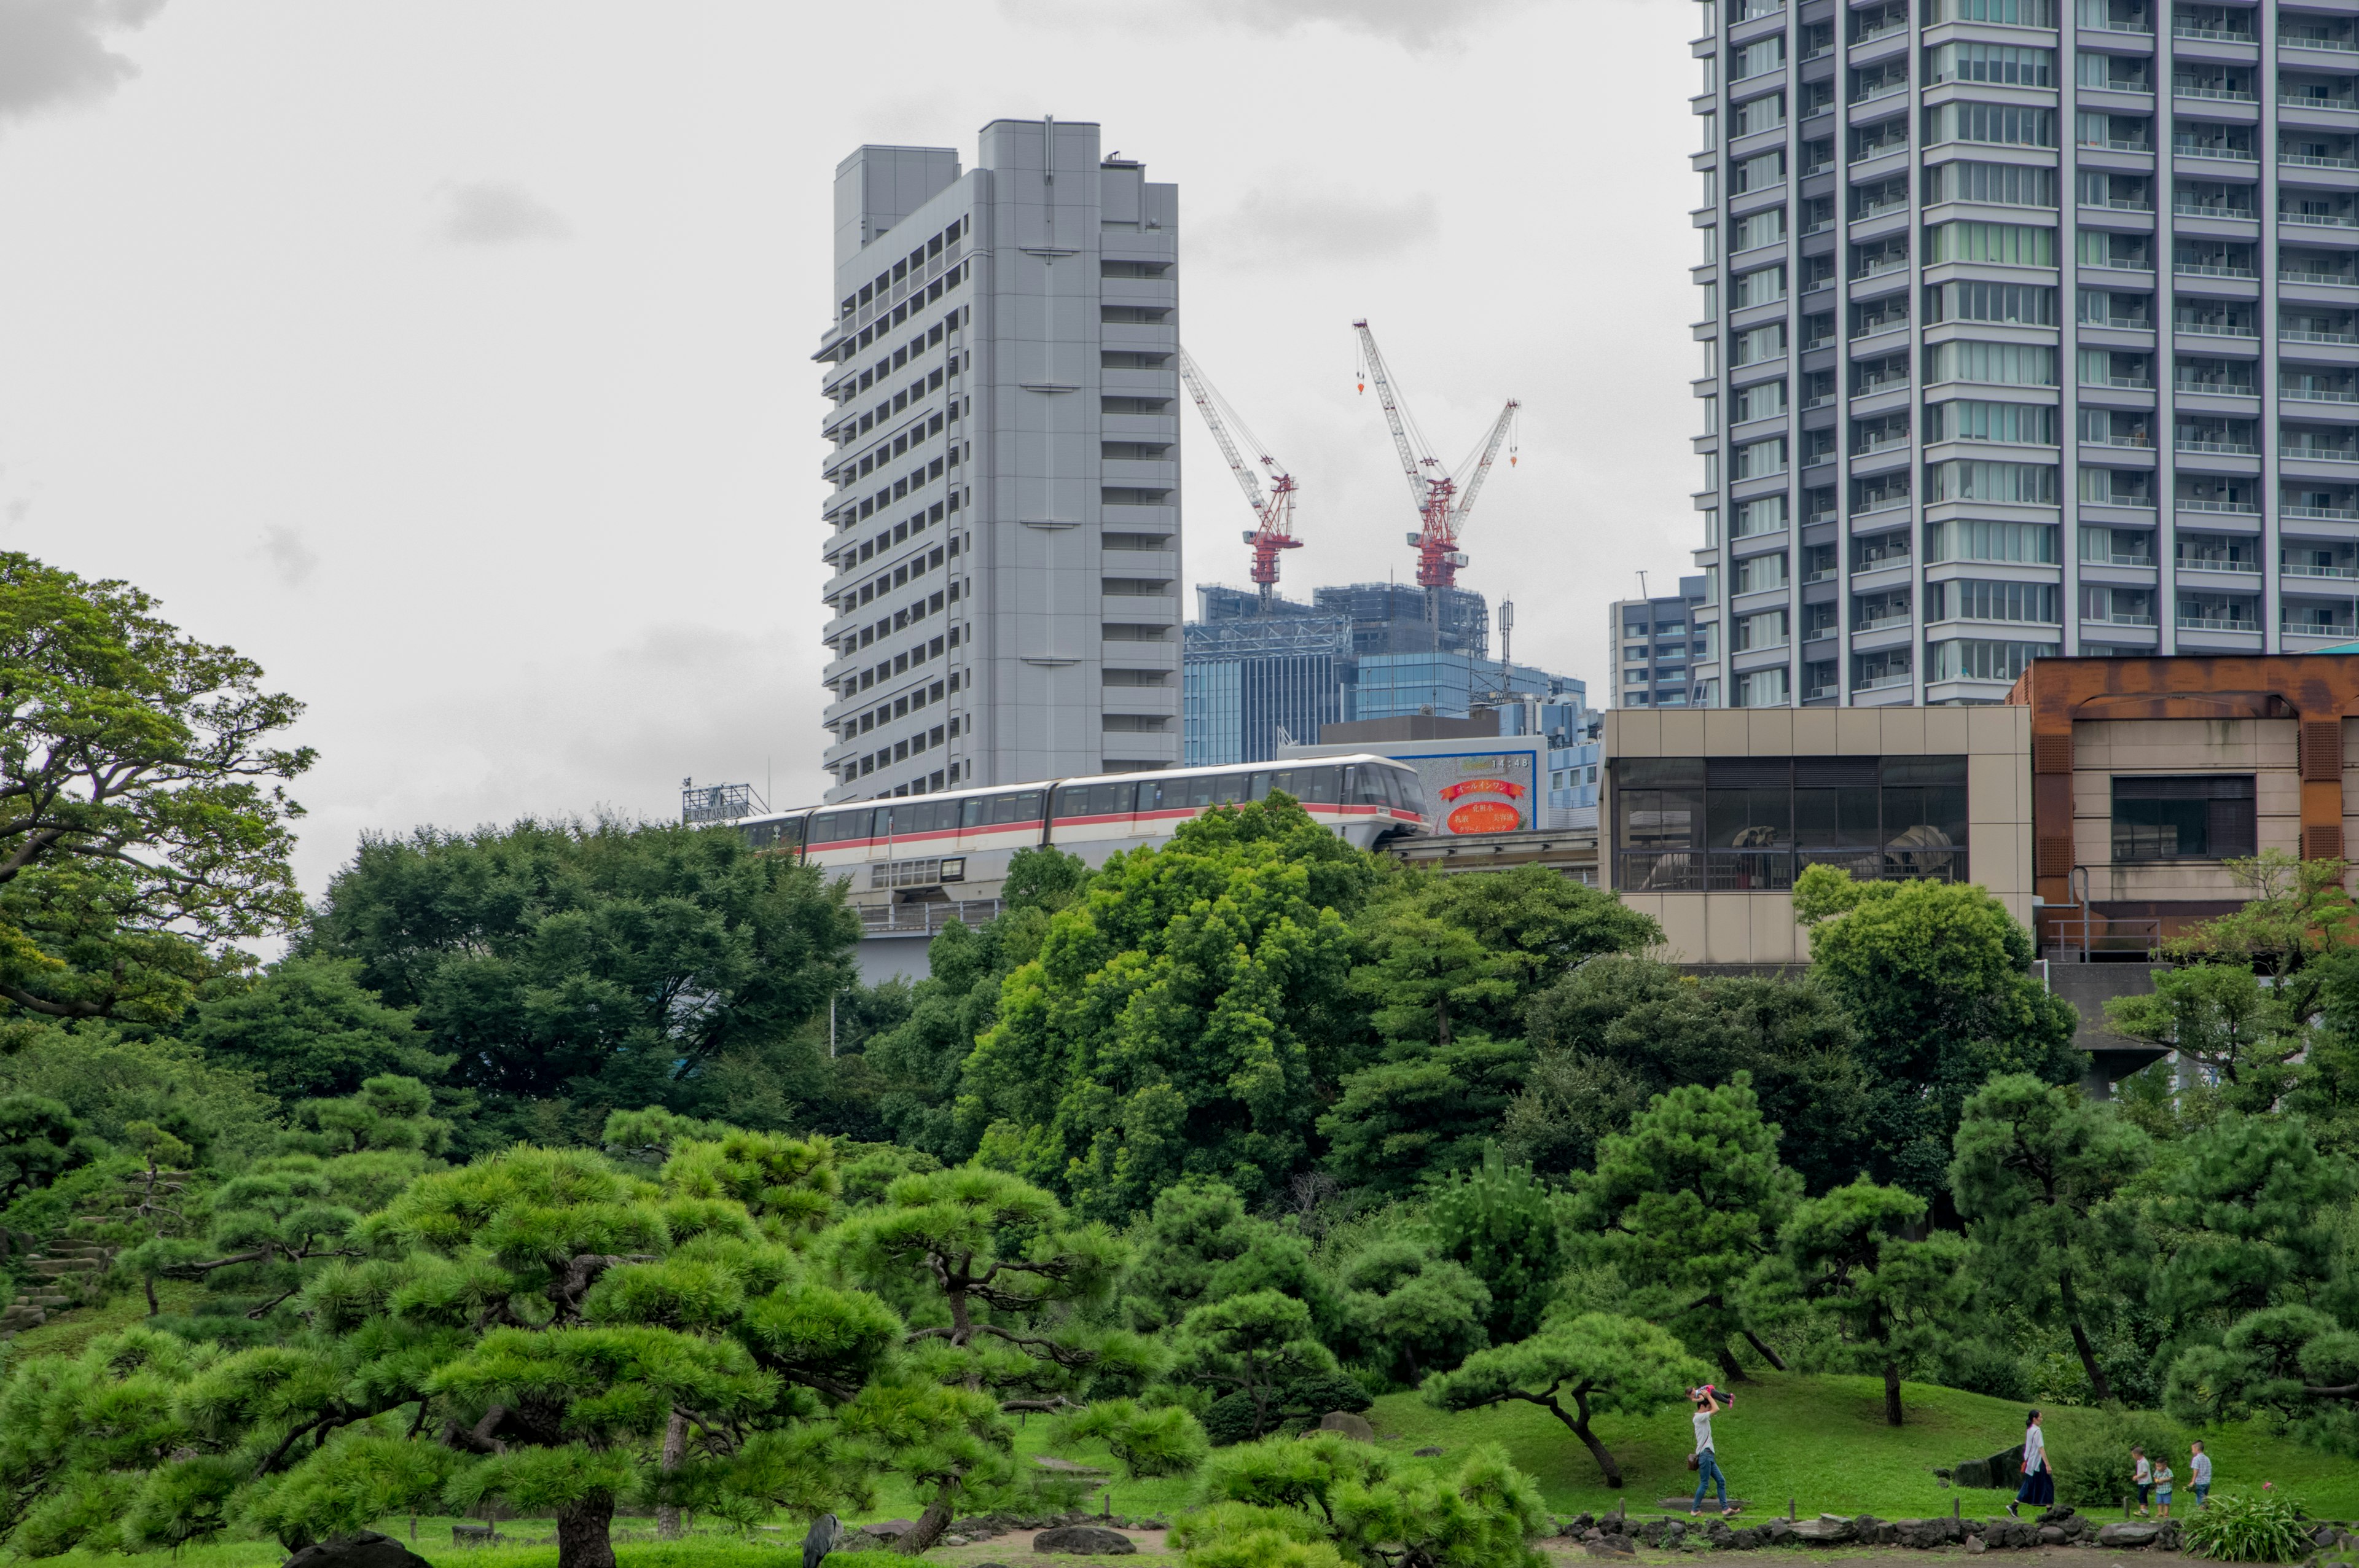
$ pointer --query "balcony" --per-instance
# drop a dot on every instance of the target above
(1879, 266)
(1889, 617)
(2217, 152)
(2305, 41)
(1881, 30)
(2211, 269)
(2127, 144)
(2306, 275)
(2119, 559)
(2131, 440)
(2218, 94)
(2318, 160)
(1821, 399)
(2216, 623)
(2210, 35)
(1878, 208)
(1889, 89)
(2319, 219)
(1868, 449)
(2318, 454)
(2217, 564)
(1818, 633)
(1881, 682)
(2187, 208)
(2229, 448)
(2303, 335)
(2118, 618)
(2324, 514)
(2226, 508)
(2316, 395)
(2343, 574)
(2122, 204)
(2213, 329)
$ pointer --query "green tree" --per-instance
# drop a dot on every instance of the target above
(2295, 1363)
(1198, 1244)
(1620, 1030)
(1604, 1364)
(2220, 1017)
(999, 1287)
(1323, 1500)
(1412, 1313)
(1686, 1205)
(2036, 1176)
(1500, 1224)
(1848, 1260)
(1259, 1352)
(310, 1032)
(1431, 1110)
(1185, 1017)
(40, 1140)
(577, 968)
(2296, 911)
(149, 820)
(1937, 978)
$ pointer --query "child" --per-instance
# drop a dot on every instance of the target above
(2141, 1476)
(2199, 1472)
(2163, 1479)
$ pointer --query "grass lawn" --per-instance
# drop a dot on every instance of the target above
(1822, 1442)
(70, 1331)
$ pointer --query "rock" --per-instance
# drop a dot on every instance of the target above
(1427, 1452)
(1610, 1546)
(1078, 1538)
(1687, 1503)
(2169, 1540)
(2051, 1535)
(362, 1549)
(1777, 1532)
(953, 1541)
(2129, 1534)
(1744, 1540)
(1354, 1427)
(891, 1528)
(1972, 1473)
(2055, 1514)
(1975, 1546)
(1825, 1527)
(2325, 1536)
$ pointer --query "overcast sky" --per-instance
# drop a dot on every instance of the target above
(451, 357)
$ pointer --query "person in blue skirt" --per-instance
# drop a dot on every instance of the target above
(2039, 1487)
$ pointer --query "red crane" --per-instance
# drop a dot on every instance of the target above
(1273, 528)
(1442, 502)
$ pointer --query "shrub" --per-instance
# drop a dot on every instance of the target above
(2091, 1453)
(2242, 1527)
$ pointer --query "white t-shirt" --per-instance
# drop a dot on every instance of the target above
(1703, 1431)
(2143, 1471)
(2199, 1470)
(2035, 1450)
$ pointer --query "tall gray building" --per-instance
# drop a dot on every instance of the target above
(2028, 325)
(1003, 540)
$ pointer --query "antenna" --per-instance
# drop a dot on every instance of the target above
(1642, 587)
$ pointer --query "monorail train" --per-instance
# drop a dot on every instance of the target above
(956, 844)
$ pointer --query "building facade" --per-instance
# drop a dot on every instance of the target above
(2028, 327)
(1003, 535)
(1653, 644)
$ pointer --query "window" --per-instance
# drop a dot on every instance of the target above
(1758, 173)
(1756, 58)
(1095, 800)
(2015, 304)
(2027, 485)
(1737, 824)
(1761, 459)
(1993, 125)
(2036, 603)
(2201, 816)
(1761, 343)
(1964, 540)
(2022, 424)
(2006, 244)
(1760, 229)
(1996, 364)
(2006, 13)
(1763, 400)
(1762, 114)
(1756, 573)
(1972, 659)
(2004, 63)
(1766, 286)
(1765, 515)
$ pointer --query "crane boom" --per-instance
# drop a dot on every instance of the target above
(1483, 469)
(1411, 459)
(1203, 401)
(1273, 528)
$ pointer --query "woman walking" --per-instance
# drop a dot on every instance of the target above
(1707, 1465)
(2039, 1487)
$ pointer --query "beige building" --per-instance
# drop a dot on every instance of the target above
(1708, 816)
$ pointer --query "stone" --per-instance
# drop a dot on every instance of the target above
(2129, 1534)
(1825, 1527)
(1972, 1473)
(1354, 1427)
(1078, 1538)
(1429, 1452)
(362, 1549)
(1686, 1503)
(1975, 1546)
(2325, 1536)
(891, 1528)
(1610, 1546)
(2051, 1535)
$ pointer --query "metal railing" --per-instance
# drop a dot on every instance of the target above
(2214, 329)
(2318, 454)
(2319, 219)
(2303, 335)
(2318, 160)
(2332, 513)
(2302, 41)
(2316, 395)
(2214, 623)
(2234, 508)
(925, 917)
(2216, 563)
(2295, 570)
(1773, 871)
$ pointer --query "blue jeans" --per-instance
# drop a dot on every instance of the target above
(1707, 1476)
(2202, 1493)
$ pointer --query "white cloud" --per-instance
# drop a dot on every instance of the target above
(1269, 228)
(1417, 23)
(54, 52)
(492, 212)
(287, 554)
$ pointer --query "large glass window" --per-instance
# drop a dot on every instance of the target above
(1733, 824)
(2205, 817)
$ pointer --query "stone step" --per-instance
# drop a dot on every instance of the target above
(58, 1267)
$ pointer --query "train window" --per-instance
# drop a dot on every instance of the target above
(1095, 800)
(761, 835)
(974, 813)
(1412, 792)
(836, 826)
(924, 815)
(1363, 785)
(1024, 807)
(1260, 787)
(1310, 785)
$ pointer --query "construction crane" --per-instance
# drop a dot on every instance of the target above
(1273, 528)
(1442, 499)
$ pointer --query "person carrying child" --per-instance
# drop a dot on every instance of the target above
(2141, 1476)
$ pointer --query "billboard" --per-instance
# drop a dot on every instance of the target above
(1480, 792)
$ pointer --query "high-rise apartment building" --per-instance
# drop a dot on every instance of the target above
(2028, 327)
(1654, 643)
(1003, 538)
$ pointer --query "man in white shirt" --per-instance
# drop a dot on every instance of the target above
(1707, 1465)
(2141, 1476)
(2198, 1474)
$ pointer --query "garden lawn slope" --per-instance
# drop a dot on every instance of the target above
(1823, 1443)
